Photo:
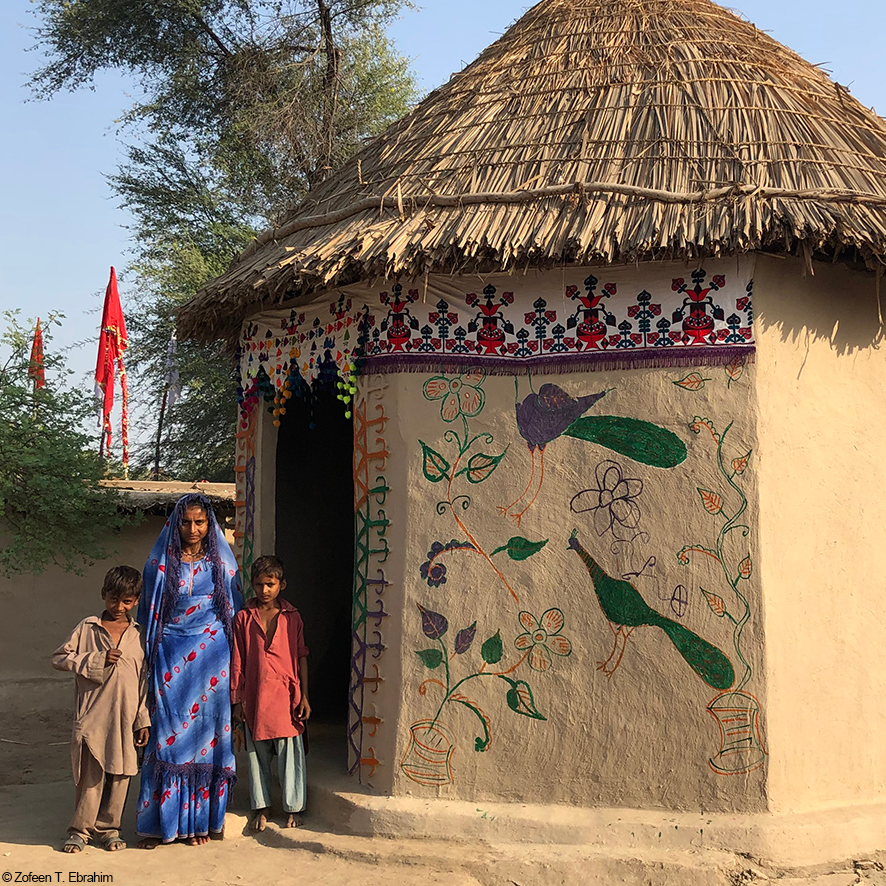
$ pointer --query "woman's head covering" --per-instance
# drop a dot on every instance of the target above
(163, 573)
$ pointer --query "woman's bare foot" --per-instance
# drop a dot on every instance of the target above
(259, 819)
(148, 843)
(294, 820)
(197, 841)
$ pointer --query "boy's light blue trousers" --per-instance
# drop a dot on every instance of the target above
(290, 765)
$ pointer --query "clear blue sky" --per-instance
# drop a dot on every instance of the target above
(59, 225)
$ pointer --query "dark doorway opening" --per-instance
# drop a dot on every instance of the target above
(315, 538)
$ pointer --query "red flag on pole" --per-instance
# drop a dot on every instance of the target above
(36, 369)
(112, 343)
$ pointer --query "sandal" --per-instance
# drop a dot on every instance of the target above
(112, 842)
(75, 843)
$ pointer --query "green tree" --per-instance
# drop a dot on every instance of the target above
(246, 105)
(52, 510)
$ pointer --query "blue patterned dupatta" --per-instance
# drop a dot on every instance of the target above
(187, 610)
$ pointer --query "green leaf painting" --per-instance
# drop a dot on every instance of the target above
(432, 658)
(481, 465)
(520, 699)
(640, 440)
(434, 465)
(492, 650)
(520, 548)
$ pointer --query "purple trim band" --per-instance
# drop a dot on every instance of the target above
(547, 365)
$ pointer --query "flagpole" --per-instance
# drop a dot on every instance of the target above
(160, 433)
(124, 418)
(171, 389)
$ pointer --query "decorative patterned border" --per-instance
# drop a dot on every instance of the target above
(244, 475)
(629, 319)
(600, 361)
(371, 552)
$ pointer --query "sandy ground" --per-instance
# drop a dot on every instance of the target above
(36, 802)
(33, 818)
(32, 828)
(35, 740)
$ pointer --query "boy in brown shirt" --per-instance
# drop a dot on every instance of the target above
(110, 718)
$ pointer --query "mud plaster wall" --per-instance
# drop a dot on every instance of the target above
(822, 412)
(499, 705)
(39, 611)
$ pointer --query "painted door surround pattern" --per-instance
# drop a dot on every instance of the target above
(366, 726)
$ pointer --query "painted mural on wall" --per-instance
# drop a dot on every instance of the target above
(524, 666)
(462, 460)
(736, 712)
(627, 318)
(459, 464)
(244, 505)
(370, 580)
(485, 671)
(614, 504)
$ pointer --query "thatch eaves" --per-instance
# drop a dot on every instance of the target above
(593, 131)
(159, 497)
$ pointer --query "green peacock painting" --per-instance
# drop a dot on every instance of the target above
(625, 610)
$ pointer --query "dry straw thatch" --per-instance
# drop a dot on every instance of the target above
(593, 131)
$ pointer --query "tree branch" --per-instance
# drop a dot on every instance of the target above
(330, 87)
(212, 35)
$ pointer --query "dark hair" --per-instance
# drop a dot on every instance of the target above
(169, 599)
(122, 581)
(268, 565)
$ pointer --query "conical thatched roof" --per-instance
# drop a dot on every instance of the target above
(592, 131)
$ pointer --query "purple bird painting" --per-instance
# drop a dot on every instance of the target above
(541, 418)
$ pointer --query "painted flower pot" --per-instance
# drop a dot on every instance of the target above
(490, 337)
(398, 334)
(741, 749)
(428, 758)
(592, 333)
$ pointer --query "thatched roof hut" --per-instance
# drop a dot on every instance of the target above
(593, 131)
(603, 314)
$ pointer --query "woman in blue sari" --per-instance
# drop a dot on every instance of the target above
(192, 591)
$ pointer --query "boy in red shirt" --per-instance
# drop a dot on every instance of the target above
(269, 691)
